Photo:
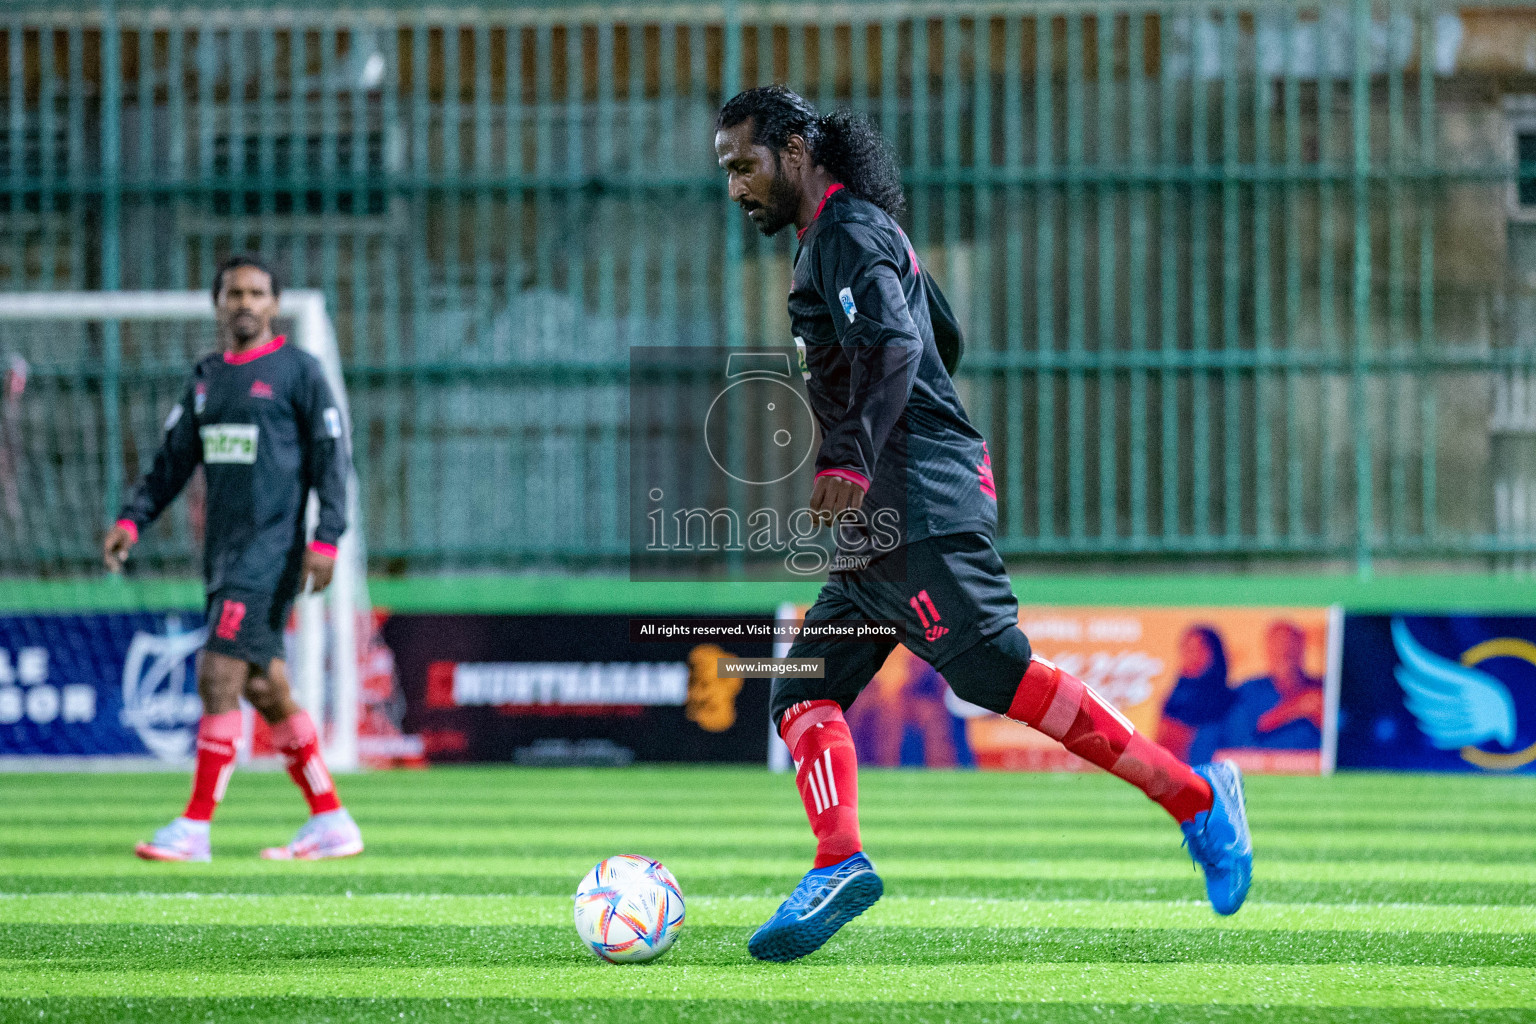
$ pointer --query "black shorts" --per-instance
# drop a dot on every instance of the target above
(247, 624)
(952, 593)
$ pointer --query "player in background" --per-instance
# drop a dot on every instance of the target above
(261, 420)
(878, 343)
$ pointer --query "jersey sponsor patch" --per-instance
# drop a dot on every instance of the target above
(229, 443)
(174, 418)
(333, 422)
(849, 309)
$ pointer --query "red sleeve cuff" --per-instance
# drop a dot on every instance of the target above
(322, 548)
(131, 527)
(849, 475)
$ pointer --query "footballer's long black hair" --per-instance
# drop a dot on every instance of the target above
(846, 144)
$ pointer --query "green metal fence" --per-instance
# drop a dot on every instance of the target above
(1232, 273)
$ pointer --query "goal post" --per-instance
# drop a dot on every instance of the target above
(325, 669)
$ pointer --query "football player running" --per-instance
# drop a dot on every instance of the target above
(878, 343)
(260, 419)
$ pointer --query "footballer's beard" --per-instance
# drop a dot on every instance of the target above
(779, 211)
(244, 327)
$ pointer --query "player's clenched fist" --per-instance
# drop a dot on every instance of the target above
(833, 494)
(114, 550)
(318, 569)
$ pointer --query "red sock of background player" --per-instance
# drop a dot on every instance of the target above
(827, 774)
(1067, 710)
(296, 739)
(216, 735)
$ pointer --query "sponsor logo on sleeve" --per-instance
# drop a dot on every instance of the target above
(173, 419)
(333, 422)
(229, 443)
(849, 309)
(805, 370)
(199, 399)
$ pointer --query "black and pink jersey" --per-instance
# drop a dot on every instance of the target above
(266, 429)
(866, 318)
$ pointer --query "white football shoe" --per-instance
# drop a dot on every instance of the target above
(323, 836)
(182, 840)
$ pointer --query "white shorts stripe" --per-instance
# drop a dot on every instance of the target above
(831, 783)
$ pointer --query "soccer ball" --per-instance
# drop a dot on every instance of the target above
(629, 909)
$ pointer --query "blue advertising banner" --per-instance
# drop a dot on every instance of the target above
(1451, 693)
(121, 684)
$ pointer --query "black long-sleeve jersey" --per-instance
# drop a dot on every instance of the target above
(865, 317)
(266, 429)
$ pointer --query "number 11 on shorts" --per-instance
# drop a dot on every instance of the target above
(930, 619)
(230, 617)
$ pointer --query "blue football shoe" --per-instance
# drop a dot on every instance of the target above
(1219, 840)
(825, 900)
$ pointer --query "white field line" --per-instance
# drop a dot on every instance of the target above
(1311, 985)
(893, 869)
(253, 910)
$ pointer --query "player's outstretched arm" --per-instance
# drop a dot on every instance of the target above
(179, 454)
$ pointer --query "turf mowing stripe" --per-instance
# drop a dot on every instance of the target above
(1257, 985)
(1294, 844)
(670, 848)
(219, 948)
(891, 912)
(715, 1011)
(1350, 817)
(916, 795)
(1120, 806)
(1439, 893)
(961, 867)
(891, 794)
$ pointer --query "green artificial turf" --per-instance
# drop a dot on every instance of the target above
(1009, 897)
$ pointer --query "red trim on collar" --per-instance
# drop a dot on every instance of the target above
(836, 186)
(238, 358)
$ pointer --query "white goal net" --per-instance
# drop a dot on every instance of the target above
(97, 372)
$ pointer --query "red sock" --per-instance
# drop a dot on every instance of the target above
(1067, 710)
(216, 735)
(827, 774)
(295, 737)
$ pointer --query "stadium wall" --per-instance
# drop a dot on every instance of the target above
(1259, 294)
